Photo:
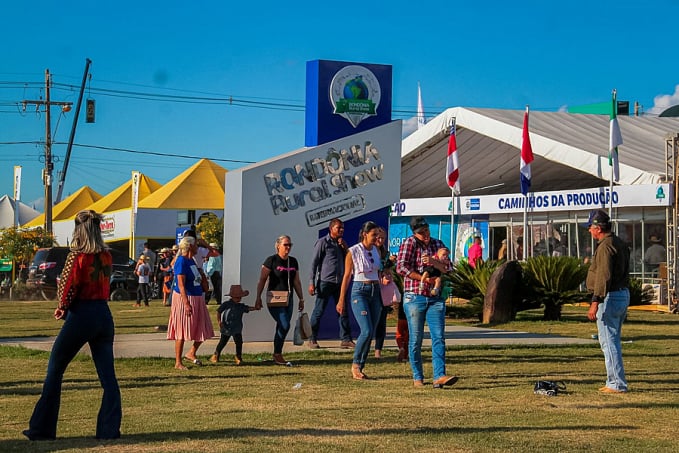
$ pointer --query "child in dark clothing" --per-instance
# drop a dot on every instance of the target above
(443, 258)
(230, 319)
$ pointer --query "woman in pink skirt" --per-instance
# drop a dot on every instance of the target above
(189, 317)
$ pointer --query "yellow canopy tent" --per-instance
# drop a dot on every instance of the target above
(121, 197)
(201, 186)
(69, 207)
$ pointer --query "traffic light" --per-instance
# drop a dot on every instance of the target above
(89, 111)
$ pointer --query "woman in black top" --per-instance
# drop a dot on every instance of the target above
(282, 272)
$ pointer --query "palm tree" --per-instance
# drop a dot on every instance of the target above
(553, 281)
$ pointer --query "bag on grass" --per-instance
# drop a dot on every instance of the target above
(549, 388)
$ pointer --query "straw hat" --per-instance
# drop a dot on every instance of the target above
(214, 245)
(175, 247)
(164, 250)
(655, 239)
(237, 291)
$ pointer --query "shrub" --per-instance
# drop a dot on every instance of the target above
(470, 283)
(553, 281)
(638, 293)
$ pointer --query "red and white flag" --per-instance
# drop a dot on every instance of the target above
(526, 157)
(453, 171)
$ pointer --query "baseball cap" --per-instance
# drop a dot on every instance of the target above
(417, 223)
(598, 217)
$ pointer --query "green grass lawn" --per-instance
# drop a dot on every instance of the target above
(256, 407)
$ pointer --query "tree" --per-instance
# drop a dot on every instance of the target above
(211, 229)
(20, 245)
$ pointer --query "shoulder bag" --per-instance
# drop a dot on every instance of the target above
(276, 299)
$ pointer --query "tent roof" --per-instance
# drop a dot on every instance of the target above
(121, 197)
(26, 213)
(570, 151)
(69, 206)
(199, 187)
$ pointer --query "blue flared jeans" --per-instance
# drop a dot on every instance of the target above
(366, 304)
(419, 309)
(86, 322)
(609, 318)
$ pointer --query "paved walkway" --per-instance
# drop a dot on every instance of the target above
(156, 344)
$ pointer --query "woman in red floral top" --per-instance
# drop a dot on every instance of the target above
(83, 293)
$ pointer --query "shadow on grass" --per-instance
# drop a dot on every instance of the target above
(289, 433)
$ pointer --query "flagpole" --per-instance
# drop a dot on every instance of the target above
(615, 140)
(453, 247)
(420, 108)
(610, 151)
(526, 177)
(453, 181)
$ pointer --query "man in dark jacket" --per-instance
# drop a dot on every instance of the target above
(608, 280)
(327, 270)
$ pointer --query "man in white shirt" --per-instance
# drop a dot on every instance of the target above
(143, 272)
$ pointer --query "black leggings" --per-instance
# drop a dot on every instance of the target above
(237, 339)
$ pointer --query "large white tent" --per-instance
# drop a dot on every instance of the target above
(571, 151)
(8, 207)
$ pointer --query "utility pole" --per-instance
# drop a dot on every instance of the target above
(49, 165)
(62, 176)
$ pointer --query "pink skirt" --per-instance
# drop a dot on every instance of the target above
(196, 327)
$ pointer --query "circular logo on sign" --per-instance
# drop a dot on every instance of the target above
(355, 93)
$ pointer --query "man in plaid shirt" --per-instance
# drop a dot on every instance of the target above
(417, 252)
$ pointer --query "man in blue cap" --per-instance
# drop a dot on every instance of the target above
(608, 280)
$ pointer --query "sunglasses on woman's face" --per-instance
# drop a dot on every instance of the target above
(287, 245)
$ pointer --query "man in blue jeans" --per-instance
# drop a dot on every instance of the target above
(327, 270)
(417, 252)
(608, 279)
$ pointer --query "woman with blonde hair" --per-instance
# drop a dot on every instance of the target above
(83, 293)
(282, 272)
(189, 317)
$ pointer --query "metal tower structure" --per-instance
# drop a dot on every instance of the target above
(672, 176)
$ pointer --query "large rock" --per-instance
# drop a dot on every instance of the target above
(503, 293)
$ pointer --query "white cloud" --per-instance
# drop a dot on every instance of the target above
(662, 101)
(409, 126)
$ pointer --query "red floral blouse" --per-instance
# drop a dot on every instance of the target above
(86, 276)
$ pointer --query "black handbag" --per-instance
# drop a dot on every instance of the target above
(549, 388)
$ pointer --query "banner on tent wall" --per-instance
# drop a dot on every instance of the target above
(647, 195)
(345, 98)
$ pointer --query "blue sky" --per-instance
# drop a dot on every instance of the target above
(482, 54)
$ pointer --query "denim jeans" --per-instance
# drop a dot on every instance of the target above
(609, 318)
(366, 304)
(381, 329)
(282, 316)
(432, 309)
(325, 292)
(86, 322)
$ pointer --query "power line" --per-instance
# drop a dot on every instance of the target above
(132, 151)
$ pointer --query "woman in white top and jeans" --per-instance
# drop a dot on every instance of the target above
(363, 262)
